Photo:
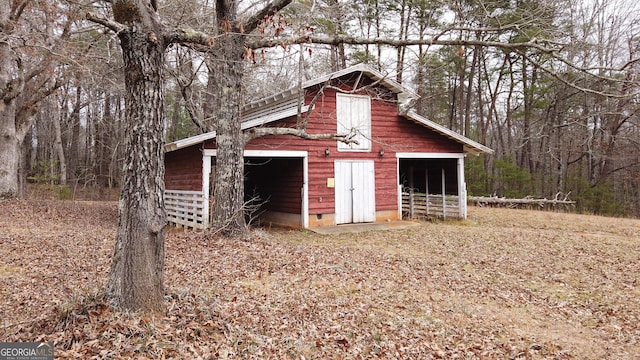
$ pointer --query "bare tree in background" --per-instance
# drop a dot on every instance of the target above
(32, 36)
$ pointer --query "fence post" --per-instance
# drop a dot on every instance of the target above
(444, 199)
(426, 192)
(411, 211)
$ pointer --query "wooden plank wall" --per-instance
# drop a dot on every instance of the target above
(183, 169)
(278, 181)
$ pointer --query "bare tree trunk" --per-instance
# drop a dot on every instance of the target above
(9, 150)
(378, 31)
(104, 143)
(73, 153)
(337, 52)
(492, 115)
(26, 153)
(453, 88)
(18, 105)
(9, 90)
(228, 212)
(466, 128)
(405, 20)
(58, 146)
(227, 92)
(526, 156)
(136, 277)
(88, 151)
(115, 173)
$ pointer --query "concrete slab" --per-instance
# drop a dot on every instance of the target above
(363, 227)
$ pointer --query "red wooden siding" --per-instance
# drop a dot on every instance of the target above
(398, 134)
(183, 169)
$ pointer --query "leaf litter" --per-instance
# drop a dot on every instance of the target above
(512, 284)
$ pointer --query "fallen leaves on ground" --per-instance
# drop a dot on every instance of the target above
(504, 284)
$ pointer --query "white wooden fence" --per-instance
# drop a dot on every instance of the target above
(420, 205)
(185, 208)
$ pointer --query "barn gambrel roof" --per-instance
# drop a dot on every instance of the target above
(285, 104)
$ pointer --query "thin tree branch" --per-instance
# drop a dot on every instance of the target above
(629, 63)
(192, 109)
(571, 84)
(313, 103)
(357, 89)
(180, 36)
(301, 92)
(15, 15)
(30, 104)
(350, 40)
(185, 84)
(12, 89)
(519, 47)
(114, 26)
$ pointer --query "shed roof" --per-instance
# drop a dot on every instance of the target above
(405, 96)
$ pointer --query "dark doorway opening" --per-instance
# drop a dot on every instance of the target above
(432, 176)
(273, 185)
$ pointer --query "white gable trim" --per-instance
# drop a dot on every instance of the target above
(404, 94)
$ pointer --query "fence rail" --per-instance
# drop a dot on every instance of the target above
(185, 208)
(419, 205)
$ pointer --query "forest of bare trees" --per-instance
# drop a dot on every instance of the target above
(560, 122)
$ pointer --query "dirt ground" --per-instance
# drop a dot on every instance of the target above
(504, 284)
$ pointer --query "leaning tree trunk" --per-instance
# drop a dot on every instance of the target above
(228, 208)
(136, 278)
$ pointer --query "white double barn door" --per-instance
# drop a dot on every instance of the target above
(355, 191)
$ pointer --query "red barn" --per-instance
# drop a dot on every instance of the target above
(311, 183)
